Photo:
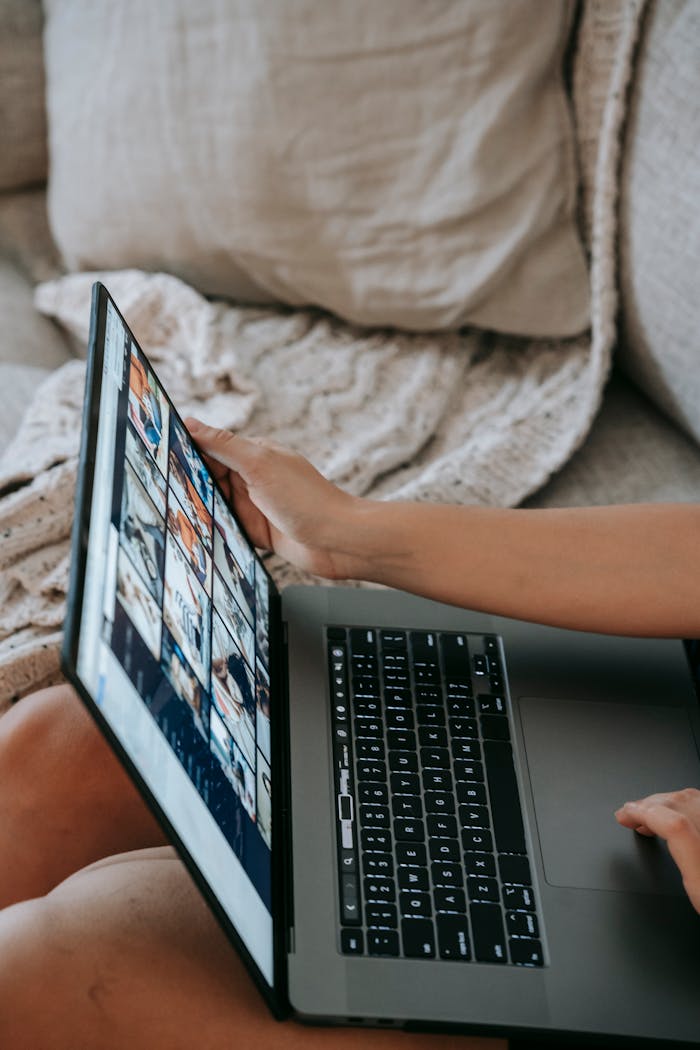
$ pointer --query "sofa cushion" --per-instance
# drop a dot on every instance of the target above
(23, 154)
(660, 216)
(396, 163)
(633, 454)
(28, 338)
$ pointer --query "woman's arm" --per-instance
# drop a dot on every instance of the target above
(623, 569)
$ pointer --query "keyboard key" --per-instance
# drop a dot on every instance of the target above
(405, 784)
(426, 674)
(441, 826)
(407, 806)
(464, 727)
(505, 800)
(432, 736)
(378, 864)
(444, 849)
(336, 634)
(368, 708)
(488, 934)
(466, 749)
(385, 915)
(482, 889)
(446, 874)
(522, 924)
(453, 937)
(373, 771)
(397, 697)
(352, 942)
(411, 853)
(364, 665)
(403, 762)
(470, 792)
(350, 900)
(430, 716)
(413, 879)
(370, 749)
(429, 695)
(491, 704)
(519, 897)
(418, 938)
(459, 706)
(435, 758)
(424, 646)
(515, 869)
(409, 830)
(347, 860)
(480, 863)
(437, 780)
(455, 655)
(379, 889)
(393, 640)
(468, 769)
(369, 728)
(477, 841)
(526, 952)
(474, 817)
(395, 659)
(374, 816)
(439, 802)
(382, 942)
(494, 727)
(376, 839)
(398, 718)
(401, 740)
(415, 903)
(363, 640)
(396, 678)
(450, 900)
(365, 686)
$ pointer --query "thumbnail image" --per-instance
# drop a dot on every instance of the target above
(262, 710)
(148, 410)
(193, 463)
(190, 500)
(190, 542)
(142, 533)
(186, 611)
(184, 681)
(231, 614)
(244, 782)
(264, 800)
(233, 689)
(221, 744)
(233, 577)
(146, 471)
(262, 622)
(234, 539)
(138, 603)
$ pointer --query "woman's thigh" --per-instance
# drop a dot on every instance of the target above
(127, 954)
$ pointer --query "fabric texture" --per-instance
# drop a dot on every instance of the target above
(660, 216)
(230, 145)
(23, 135)
(460, 417)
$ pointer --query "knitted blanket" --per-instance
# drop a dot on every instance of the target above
(467, 417)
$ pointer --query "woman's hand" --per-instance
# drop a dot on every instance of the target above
(675, 817)
(282, 501)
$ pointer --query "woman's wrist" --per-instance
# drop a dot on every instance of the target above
(369, 540)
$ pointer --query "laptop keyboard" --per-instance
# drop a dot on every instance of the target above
(432, 855)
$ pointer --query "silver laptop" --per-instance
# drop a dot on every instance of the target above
(400, 812)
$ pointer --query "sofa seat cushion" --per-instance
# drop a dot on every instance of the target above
(633, 454)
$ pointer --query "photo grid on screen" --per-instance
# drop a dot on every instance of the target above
(189, 619)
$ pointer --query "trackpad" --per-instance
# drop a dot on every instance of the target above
(586, 758)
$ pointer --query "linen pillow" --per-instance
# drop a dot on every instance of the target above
(659, 216)
(23, 146)
(403, 163)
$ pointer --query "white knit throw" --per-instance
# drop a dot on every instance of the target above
(464, 417)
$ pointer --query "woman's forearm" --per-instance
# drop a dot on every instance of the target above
(623, 569)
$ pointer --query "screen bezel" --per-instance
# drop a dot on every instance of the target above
(275, 995)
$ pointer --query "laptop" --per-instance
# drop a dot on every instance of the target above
(400, 812)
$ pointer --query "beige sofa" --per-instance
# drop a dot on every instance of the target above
(643, 445)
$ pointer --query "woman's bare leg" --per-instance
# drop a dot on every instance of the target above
(127, 954)
(65, 800)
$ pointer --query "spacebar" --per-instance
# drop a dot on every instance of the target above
(505, 801)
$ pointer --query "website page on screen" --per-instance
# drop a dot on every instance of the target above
(174, 638)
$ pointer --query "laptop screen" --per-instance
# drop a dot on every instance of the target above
(173, 641)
